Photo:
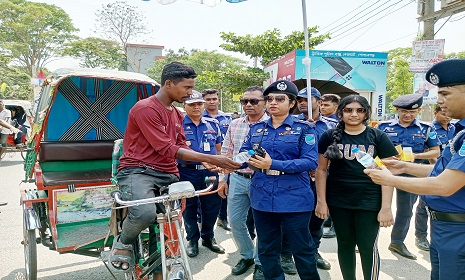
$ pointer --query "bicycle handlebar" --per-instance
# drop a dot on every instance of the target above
(187, 191)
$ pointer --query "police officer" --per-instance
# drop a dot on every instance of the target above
(321, 124)
(282, 202)
(203, 135)
(408, 131)
(443, 191)
(444, 128)
(212, 101)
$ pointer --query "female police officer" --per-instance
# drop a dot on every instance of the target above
(281, 198)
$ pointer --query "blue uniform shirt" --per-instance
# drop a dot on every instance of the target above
(419, 135)
(223, 121)
(293, 154)
(202, 138)
(456, 202)
(444, 135)
(321, 125)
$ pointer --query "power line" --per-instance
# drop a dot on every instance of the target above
(353, 21)
(346, 15)
(330, 41)
(408, 35)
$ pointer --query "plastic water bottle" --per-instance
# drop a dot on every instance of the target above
(364, 158)
(244, 156)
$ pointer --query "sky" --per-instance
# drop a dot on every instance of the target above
(382, 24)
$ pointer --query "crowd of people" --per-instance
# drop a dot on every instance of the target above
(303, 172)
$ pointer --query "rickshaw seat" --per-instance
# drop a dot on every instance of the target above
(79, 162)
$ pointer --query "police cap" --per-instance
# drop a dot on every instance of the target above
(408, 101)
(282, 86)
(194, 98)
(314, 91)
(447, 73)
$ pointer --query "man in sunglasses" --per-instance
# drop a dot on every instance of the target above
(237, 191)
(212, 101)
(421, 137)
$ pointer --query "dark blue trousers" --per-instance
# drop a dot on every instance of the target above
(270, 228)
(315, 227)
(209, 206)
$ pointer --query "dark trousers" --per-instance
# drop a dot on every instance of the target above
(405, 202)
(315, 227)
(209, 206)
(223, 213)
(270, 228)
(356, 227)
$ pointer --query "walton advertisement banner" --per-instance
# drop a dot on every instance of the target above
(363, 72)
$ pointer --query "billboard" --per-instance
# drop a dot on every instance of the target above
(364, 72)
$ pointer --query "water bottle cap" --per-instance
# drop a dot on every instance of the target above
(251, 152)
(355, 150)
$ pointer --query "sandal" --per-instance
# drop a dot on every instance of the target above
(112, 257)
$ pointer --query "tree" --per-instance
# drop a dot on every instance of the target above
(96, 53)
(121, 22)
(228, 74)
(33, 32)
(270, 45)
(399, 78)
(16, 80)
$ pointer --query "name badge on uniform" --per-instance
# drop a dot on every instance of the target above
(206, 147)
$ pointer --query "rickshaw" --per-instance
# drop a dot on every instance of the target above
(80, 114)
(21, 112)
(73, 156)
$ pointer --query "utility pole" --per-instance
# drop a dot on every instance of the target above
(428, 24)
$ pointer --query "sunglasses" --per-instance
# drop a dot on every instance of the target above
(278, 98)
(357, 110)
(252, 101)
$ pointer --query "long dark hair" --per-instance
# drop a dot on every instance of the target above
(333, 152)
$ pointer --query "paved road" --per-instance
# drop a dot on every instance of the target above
(207, 265)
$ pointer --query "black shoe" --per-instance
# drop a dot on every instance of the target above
(401, 250)
(258, 273)
(3, 203)
(211, 244)
(192, 249)
(422, 243)
(322, 263)
(224, 224)
(331, 233)
(242, 266)
(288, 265)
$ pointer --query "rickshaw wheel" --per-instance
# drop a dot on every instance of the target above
(30, 252)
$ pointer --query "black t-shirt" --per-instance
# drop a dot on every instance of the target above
(347, 186)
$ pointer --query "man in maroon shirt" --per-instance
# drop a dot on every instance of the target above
(153, 140)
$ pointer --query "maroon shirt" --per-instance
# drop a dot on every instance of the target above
(153, 136)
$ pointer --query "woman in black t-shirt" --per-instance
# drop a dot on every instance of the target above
(358, 206)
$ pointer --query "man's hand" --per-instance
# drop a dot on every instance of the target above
(211, 167)
(321, 210)
(15, 130)
(380, 176)
(223, 189)
(395, 166)
(261, 162)
(224, 162)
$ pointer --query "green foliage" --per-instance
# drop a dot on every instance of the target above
(228, 74)
(399, 79)
(18, 83)
(33, 32)
(459, 55)
(95, 53)
(270, 45)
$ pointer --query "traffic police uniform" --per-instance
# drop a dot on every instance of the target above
(321, 125)
(444, 135)
(447, 251)
(223, 121)
(280, 197)
(419, 136)
(203, 139)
